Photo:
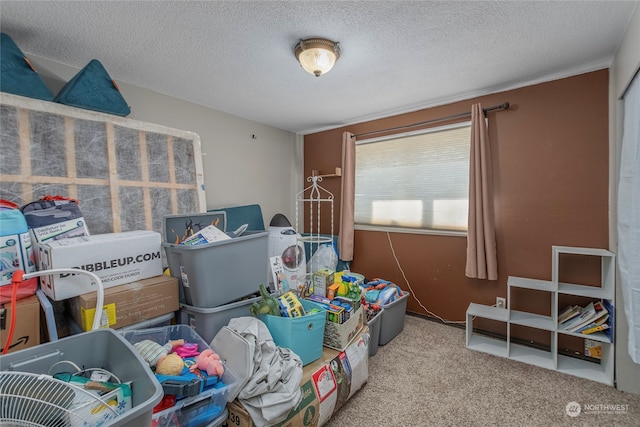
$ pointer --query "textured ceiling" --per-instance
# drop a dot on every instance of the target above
(397, 56)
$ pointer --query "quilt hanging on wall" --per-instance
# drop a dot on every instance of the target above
(126, 174)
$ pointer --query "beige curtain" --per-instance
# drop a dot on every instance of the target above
(347, 198)
(481, 235)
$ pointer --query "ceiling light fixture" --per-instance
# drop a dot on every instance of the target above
(317, 56)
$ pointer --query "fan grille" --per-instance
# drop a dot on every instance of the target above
(34, 400)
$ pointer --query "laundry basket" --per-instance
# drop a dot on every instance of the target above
(31, 396)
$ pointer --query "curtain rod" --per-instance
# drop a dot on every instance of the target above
(503, 106)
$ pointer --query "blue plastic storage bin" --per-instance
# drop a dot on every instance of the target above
(303, 335)
(16, 250)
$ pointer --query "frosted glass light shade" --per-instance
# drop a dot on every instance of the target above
(317, 56)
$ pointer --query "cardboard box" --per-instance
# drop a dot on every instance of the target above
(127, 304)
(306, 413)
(339, 335)
(26, 332)
(116, 258)
(326, 385)
(16, 253)
(62, 221)
(322, 279)
(350, 306)
(334, 313)
(350, 369)
(332, 291)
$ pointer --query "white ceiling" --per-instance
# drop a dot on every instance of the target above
(397, 56)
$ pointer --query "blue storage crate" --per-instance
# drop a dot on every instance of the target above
(303, 335)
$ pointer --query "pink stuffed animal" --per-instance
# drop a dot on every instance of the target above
(210, 362)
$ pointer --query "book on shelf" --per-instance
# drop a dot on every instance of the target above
(609, 332)
(585, 316)
(598, 328)
(569, 313)
(593, 312)
(597, 322)
(593, 349)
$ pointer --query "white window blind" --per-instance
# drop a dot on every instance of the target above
(415, 180)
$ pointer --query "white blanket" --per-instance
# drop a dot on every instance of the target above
(272, 389)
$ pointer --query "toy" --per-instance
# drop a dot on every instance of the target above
(382, 292)
(332, 291)
(171, 364)
(322, 279)
(353, 290)
(187, 349)
(290, 306)
(210, 362)
(370, 309)
(335, 313)
(268, 305)
(154, 353)
(347, 305)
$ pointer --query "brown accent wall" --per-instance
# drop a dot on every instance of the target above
(550, 155)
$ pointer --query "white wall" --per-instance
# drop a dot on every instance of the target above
(244, 161)
(625, 65)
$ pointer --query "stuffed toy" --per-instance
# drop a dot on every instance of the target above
(157, 355)
(268, 304)
(172, 364)
(210, 362)
(187, 349)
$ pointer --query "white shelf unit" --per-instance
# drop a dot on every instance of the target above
(602, 372)
(486, 343)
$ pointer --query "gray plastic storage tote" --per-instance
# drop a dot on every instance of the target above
(102, 348)
(392, 321)
(218, 273)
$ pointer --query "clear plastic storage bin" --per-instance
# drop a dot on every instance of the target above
(198, 412)
(195, 411)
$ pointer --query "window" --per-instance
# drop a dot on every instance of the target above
(416, 180)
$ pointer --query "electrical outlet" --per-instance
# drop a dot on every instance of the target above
(501, 302)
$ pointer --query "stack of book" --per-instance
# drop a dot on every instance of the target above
(586, 320)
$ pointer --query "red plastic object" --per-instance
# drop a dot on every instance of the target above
(167, 401)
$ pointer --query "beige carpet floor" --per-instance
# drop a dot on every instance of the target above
(427, 377)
